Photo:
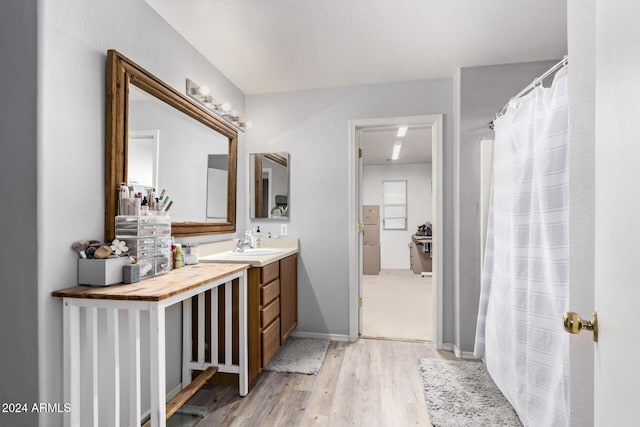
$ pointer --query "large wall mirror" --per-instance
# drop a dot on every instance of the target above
(159, 138)
(269, 177)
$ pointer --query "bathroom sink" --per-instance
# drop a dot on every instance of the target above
(256, 252)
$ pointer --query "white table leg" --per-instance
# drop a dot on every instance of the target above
(71, 357)
(243, 367)
(134, 368)
(157, 356)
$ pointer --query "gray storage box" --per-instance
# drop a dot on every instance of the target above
(101, 272)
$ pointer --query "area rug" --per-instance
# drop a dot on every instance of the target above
(300, 356)
(462, 394)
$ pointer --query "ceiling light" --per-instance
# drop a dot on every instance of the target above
(397, 145)
(402, 131)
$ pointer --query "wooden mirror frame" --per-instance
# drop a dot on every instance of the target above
(121, 73)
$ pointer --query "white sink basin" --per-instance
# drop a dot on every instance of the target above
(256, 252)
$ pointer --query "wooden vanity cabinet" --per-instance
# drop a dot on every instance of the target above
(263, 313)
(272, 310)
(272, 314)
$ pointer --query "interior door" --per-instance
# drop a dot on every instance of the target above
(617, 218)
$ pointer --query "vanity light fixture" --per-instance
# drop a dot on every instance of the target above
(397, 146)
(221, 109)
(202, 91)
(402, 131)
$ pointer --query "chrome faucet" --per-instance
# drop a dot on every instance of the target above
(243, 242)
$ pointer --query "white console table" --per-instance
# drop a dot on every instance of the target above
(153, 295)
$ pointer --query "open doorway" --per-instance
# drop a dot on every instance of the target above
(396, 198)
(396, 302)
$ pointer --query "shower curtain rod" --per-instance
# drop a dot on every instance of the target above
(536, 82)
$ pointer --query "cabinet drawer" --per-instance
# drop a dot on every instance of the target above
(270, 312)
(269, 292)
(270, 272)
(270, 339)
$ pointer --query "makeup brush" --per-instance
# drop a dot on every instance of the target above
(80, 246)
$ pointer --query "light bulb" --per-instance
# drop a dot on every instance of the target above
(248, 124)
(233, 113)
(225, 106)
(204, 90)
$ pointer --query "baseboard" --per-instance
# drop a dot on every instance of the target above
(447, 346)
(463, 354)
(331, 337)
(170, 395)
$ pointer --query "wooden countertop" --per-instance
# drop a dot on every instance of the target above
(156, 288)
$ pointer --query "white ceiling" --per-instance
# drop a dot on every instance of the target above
(377, 144)
(284, 45)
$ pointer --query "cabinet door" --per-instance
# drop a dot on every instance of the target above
(270, 341)
(288, 296)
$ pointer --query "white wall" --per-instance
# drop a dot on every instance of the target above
(18, 253)
(73, 38)
(313, 126)
(394, 249)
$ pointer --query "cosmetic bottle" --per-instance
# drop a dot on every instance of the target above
(123, 196)
(259, 241)
(144, 208)
(179, 260)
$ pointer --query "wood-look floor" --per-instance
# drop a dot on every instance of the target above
(366, 383)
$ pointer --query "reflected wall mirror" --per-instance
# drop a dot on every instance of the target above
(158, 137)
(269, 178)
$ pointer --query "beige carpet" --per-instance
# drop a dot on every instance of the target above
(397, 304)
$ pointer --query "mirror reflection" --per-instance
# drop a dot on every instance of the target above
(184, 135)
(269, 177)
(168, 150)
(217, 178)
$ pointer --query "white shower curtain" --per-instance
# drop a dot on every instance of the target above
(526, 271)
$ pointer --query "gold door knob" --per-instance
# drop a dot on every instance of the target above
(573, 324)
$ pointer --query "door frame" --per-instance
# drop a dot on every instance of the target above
(355, 237)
